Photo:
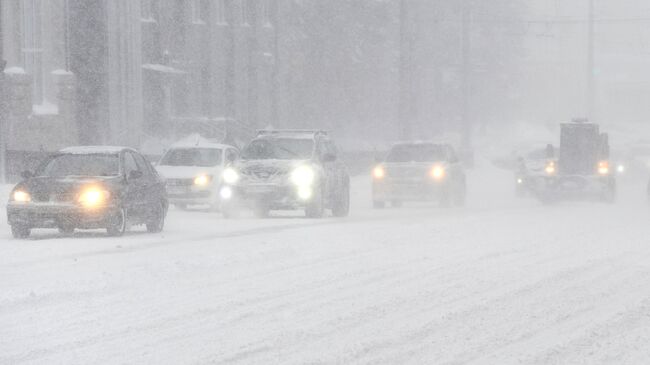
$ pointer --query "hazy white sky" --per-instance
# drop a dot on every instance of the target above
(555, 68)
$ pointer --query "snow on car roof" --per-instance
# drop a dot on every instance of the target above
(196, 140)
(93, 150)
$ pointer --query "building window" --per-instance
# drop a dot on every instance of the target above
(222, 8)
(247, 12)
(32, 49)
(197, 11)
(149, 10)
(266, 13)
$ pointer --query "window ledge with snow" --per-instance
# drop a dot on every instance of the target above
(46, 108)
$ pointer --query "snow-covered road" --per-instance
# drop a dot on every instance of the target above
(499, 281)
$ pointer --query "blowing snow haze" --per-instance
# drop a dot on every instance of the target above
(324, 181)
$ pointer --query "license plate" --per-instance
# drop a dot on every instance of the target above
(259, 189)
(176, 190)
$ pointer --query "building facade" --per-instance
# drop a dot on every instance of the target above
(135, 72)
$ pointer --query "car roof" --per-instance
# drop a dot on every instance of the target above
(87, 150)
(197, 141)
(309, 136)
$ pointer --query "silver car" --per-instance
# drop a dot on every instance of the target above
(419, 171)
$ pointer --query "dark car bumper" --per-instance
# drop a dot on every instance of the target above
(35, 215)
(408, 190)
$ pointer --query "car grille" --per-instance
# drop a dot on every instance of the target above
(45, 197)
(263, 174)
(180, 182)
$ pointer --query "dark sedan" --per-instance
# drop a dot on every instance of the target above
(89, 188)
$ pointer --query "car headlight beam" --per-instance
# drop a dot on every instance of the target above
(303, 176)
(437, 172)
(550, 168)
(202, 180)
(21, 196)
(230, 176)
(603, 167)
(93, 197)
(378, 172)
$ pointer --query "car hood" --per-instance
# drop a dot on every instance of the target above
(41, 188)
(277, 166)
(186, 172)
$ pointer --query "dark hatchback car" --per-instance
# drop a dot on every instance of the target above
(89, 188)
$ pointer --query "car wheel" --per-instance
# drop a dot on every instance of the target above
(157, 221)
(396, 204)
(20, 231)
(316, 209)
(376, 204)
(117, 224)
(342, 204)
(180, 206)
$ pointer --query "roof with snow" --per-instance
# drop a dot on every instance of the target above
(88, 150)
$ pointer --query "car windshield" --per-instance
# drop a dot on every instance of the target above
(416, 153)
(80, 165)
(202, 157)
(279, 149)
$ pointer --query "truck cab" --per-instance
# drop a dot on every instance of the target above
(581, 168)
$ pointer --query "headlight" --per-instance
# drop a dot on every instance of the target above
(230, 176)
(603, 167)
(437, 172)
(550, 168)
(94, 197)
(379, 172)
(520, 181)
(21, 196)
(620, 169)
(202, 180)
(303, 176)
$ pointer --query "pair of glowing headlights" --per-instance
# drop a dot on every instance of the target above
(89, 198)
(436, 172)
(603, 168)
(300, 176)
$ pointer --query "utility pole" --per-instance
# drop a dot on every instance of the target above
(591, 82)
(404, 72)
(466, 70)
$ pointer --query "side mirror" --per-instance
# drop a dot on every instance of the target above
(26, 175)
(329, 157)
(231, 158)
(134, 175)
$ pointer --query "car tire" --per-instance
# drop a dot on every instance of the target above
(180, 206)
(376, 204)
(157, 222)
(117, 226)
(20, 231)
(341, 206)
(316, 209)
(396, 204)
